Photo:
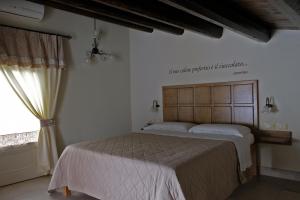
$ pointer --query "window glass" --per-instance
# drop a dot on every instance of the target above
(15, 118)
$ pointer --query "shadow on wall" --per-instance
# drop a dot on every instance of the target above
(61, 96)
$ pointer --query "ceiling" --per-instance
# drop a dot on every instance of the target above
(281, 14)
(255, 19)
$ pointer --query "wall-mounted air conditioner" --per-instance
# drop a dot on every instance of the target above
(22, 8)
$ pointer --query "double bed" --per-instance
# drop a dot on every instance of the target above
(162, 164)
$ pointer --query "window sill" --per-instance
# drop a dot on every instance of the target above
(17, 139)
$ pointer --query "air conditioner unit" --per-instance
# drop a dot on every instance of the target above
(22, 8)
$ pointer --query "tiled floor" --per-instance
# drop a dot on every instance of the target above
(268, 188)
(36, 189)
(263, 188)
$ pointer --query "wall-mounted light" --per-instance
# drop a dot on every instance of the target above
(270, 105)
(155, 105)
(95, 51)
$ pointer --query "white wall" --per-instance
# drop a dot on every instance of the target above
(96, 98)
(275, 65)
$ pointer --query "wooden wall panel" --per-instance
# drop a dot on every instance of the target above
(244, 115)
(186, 96)
(243, 94)
(202, 95)
(170, 114)
(229, 102)
(170, 97)
(222, 115)
(221, 94)
(186, 114)
(202, 115)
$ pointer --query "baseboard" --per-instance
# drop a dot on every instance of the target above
(19, 175)
(280, 173)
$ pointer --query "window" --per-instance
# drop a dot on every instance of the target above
(17, 124)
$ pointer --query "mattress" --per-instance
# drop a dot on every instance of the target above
(140, 166)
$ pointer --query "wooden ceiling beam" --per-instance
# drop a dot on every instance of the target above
(93, 15)
(155, 10)
(225, 14)
(117, 14)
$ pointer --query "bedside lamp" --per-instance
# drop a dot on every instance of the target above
(269, 106)
(155, 105)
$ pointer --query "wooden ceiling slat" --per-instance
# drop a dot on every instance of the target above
(93, 15)
(225, 14)
(291, 8)
(117, 14)
(155, 10)
(281, 14)
(294, 4)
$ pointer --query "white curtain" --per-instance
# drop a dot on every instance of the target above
(33, 63)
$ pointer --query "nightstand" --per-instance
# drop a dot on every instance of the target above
(274, 137)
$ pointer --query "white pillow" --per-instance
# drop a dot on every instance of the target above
(170, 126)
(223, 129)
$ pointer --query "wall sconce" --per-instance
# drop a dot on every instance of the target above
(95, 51)
(270, 105)
(155, 105)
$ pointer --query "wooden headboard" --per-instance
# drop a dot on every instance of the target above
(229, 102)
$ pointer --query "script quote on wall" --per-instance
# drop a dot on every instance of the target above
(236, 66)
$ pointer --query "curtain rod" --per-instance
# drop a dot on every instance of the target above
(25, 29)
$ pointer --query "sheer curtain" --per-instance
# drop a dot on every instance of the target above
(32, 64)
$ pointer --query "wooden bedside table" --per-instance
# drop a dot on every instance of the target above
(274, 137)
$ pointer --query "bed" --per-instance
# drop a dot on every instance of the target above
(169, 165)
